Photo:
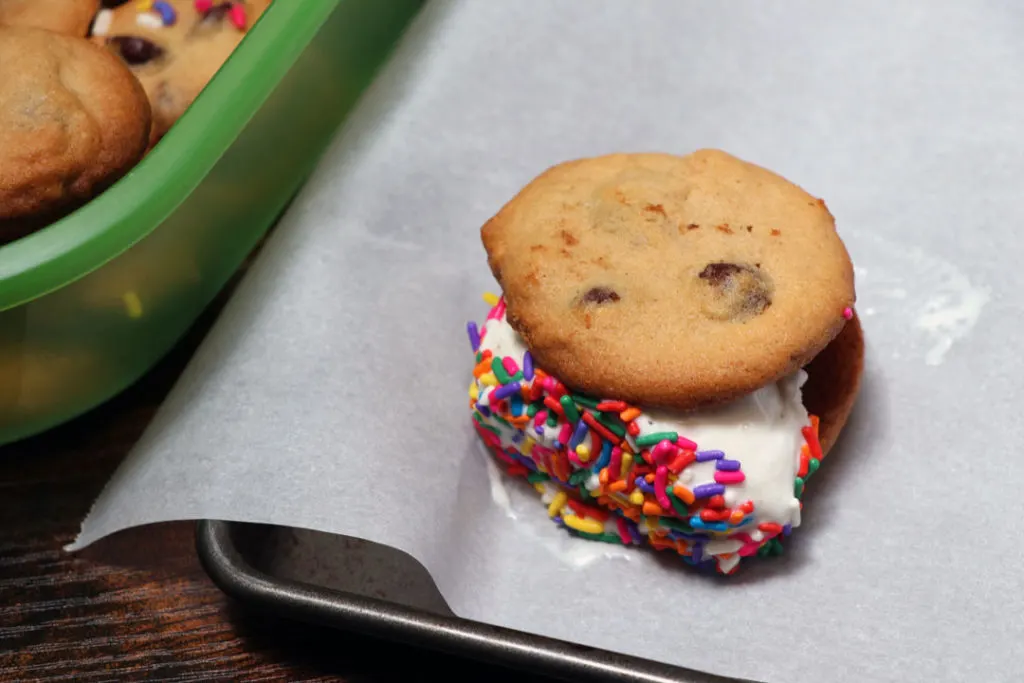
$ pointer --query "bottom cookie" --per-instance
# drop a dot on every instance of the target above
(715, 486)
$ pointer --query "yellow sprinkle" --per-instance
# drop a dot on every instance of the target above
(540, 488)
(490, 299)
(637, 497)
(583, 452)
(489, 379)
(474, 392)
(132, 304)
(627, 463)
(557, 504)
(144, 5)
(584, 525)
(527, 446)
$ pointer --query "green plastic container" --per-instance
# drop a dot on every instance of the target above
(90, 303)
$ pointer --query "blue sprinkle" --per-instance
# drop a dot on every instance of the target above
(517, 405)
(517, 437)
(578, 435)
(727, 465)
(704, 456)
(506, 390)
(167, 13)
(698, 523)
(787, 529)
(556, 444)
(474, 335)
(708, 490)
(606, 456)
(643, 485)
(528, 366)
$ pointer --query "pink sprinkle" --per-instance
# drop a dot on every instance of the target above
(540, 418)
(726, 477)
(510, 365)
(565, 434)
(686, 444)
(237, 15)
(573, 458)
(204, 6)
(660, 482)
(623, 531)
(615, 464)
(499, 310)
(549, 384)
(847, 312)
(662, 451)
(501, 454)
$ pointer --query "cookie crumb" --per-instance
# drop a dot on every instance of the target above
(600, 295)
(750, 228)
(724, 227)
(776, 233)
(569, 238)
(656, 208)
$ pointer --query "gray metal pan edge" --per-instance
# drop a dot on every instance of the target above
(233, 574)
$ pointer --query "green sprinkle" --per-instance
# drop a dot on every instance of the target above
(490, 429)
(499, 371)
(798, 489)
(655, 438)
(676, 524)
(518, 377)
(678, 505)
(578, 477)
(479, 356)
(584, 401)
(765, 550)
(503, 421)
(609, 422)
(531, 410)
(604, 538)
(585, 493)
(774, 546)
(479, 418)
(812, 467)
(569, 407)
(552, 419)
(537, 477)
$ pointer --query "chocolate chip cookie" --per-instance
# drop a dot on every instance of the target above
(175, 47)
(671, 281)
(70, 17)
(73, 120)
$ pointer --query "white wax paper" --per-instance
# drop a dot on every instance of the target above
(331, 394)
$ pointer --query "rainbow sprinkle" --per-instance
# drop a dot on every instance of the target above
(602, 479)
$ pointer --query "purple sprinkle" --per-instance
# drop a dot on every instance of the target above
(698, 552)
(556, 444)
(634, 532)
(474, 335)
(578, 435)
(704, 456)
(483, 410)
(506, 390)
(517, 437)
(642, 484)
(787, 529)
(727, 465)
(528, 366)
(708, 490)
(539, 429)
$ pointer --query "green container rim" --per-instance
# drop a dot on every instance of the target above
(132, 208)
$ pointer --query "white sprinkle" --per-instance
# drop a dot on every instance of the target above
(101, 26)
(149, 20)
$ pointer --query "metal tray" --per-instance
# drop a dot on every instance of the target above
(386, 594)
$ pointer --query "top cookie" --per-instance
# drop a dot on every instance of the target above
(669, 281)
(175, 49)
(73, 120)
(70, 17)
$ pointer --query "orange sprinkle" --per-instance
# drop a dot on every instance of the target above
(684, 494)
(632, 513)
(629, 414)
(617, 486)
(736, 517)
(602, 476)
(482, 368)
(519, 422)
(652, 509)
(649, 478)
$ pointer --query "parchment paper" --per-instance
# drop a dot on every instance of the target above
(332, 392)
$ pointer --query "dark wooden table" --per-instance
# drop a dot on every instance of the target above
(138, 606)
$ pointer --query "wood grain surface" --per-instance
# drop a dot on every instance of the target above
(138, 606)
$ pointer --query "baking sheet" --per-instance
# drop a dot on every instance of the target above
(331, 393)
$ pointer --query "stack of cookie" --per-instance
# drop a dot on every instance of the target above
(674, 353)
(86, 89)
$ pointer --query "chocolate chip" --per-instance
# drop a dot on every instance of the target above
(717, 273)
(600, 295)
(135, 50)
(111, 4)
(734, 291)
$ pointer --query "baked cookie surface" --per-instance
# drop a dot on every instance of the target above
(672, 281)
(70, 17)
(174, 49)
(73, 120)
